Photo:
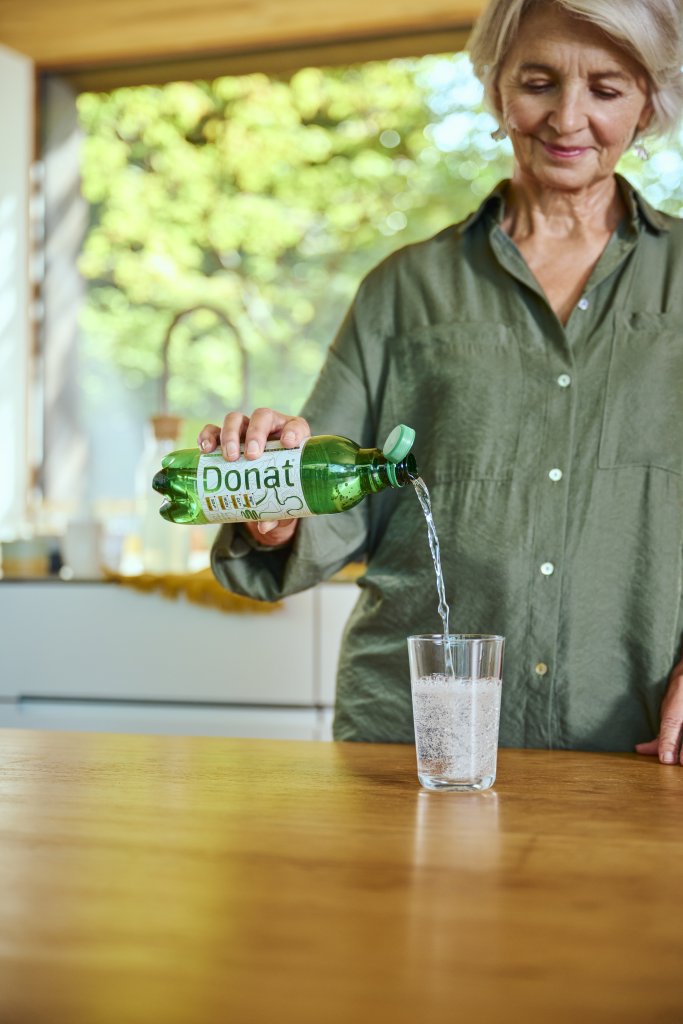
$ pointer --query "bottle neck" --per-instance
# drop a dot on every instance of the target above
(403, 472)
(378, 473)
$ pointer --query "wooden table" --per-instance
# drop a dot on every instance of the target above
(174, 879)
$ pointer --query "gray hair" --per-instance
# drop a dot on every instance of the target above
(648, 30)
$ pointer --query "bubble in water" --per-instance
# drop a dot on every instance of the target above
(456, 726)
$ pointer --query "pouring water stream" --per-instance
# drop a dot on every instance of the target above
(422, 492)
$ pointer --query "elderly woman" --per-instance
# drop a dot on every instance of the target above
(537, 349)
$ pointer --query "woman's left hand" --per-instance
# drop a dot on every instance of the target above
(667, 746)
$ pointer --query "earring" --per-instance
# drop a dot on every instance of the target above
(499, 134)
(640, 151)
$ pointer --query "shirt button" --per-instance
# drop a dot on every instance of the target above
(541, 668)
(555, 475)
(564, 380)
(547, 568)
(583, 303)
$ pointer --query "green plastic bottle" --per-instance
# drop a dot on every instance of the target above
(326, 474)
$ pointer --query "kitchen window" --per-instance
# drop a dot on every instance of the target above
(203, 240)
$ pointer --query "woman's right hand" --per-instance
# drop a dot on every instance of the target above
(253, 431)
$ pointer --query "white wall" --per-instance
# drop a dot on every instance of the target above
(16, 133)
(64, 469)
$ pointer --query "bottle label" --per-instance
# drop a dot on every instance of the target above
(252, 489)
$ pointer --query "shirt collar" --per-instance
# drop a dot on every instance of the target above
(493, 204)
(638, 209)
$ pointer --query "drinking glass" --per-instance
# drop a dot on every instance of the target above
(456, 685)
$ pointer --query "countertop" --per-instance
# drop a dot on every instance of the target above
(177, 879)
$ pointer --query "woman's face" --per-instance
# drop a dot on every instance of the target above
(570, 99)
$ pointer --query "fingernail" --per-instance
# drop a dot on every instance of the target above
(289, 437)
(266, 526)
(205, 444)
(253, 448)
(231, 448)
(667, 758)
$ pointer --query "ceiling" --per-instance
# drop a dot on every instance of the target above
(91, 38)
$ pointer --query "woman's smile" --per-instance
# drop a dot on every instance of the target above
(564, 152)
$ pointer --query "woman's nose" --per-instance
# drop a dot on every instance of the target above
(569, 113)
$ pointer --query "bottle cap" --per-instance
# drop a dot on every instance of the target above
(398, 443)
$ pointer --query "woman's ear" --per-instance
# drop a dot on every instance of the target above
(497, 101)
(645, 117)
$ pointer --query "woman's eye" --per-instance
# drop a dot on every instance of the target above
(536, 86)
(605, 94)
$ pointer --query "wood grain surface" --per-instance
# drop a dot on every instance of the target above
(61, 34)
(180, 880)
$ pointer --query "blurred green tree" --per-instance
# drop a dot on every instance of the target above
(259, 203)
(266, 200)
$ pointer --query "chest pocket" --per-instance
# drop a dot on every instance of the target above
(643, 413)
(460, 385)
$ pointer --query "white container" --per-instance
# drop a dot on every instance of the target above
(82, 549)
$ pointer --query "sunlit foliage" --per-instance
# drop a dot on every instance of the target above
(266, 200)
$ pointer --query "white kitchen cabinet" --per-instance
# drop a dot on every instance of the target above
(104, 657)
(170, 718)
(93, 640)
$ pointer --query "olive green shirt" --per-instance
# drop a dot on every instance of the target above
(554, 457)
